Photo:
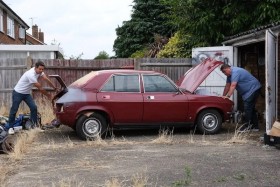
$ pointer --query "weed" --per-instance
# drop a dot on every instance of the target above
(165, 136)
(239, 136)
(113, 183)
(187, 179)
(240, 176)
(221, 179)
(22, 143)
(139, 180)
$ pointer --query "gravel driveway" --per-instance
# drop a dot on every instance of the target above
(141, 158)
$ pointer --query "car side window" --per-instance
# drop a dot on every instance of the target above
(157, 83)
(122, 83)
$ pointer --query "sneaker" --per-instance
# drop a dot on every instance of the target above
(11, 131)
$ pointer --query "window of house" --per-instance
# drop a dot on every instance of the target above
(122, 83)
(1, 20)
(10, 27)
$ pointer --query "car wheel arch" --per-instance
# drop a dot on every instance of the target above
(88, 113)
(217, 114)
(91, 126)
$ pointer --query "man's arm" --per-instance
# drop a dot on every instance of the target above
(44, 77)
(39, 86)
(226, 89)
(229, 89)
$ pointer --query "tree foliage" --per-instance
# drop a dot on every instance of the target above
(147, 20)
(102, 55)
(197, 23)
(208, 22)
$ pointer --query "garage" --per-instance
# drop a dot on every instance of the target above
(257, 51)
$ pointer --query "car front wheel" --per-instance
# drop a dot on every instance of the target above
(209, 121)
(91, 127)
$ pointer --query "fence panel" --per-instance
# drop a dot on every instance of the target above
(70, 70)
(175, 68)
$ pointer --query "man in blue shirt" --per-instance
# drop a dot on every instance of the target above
(248, 87)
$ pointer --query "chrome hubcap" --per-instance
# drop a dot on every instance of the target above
(92, 127)
(209, 121)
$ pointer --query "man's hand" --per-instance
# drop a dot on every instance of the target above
(225, 97)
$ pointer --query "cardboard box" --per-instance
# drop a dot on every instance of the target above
(275, 130)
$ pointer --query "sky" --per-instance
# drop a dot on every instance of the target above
(79, 27)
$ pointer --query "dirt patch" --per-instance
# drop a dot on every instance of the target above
(145, 158)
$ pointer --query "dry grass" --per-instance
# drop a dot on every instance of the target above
(69, 182)
(4, 172)
(46, 110)
(239, 136)
(165, 137)
(98, 142)
(120, 141)
(137, 180)
(3, 110)
(113, 183)
(22, 143)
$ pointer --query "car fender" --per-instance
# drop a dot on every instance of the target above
(204, 107)
(88, 110)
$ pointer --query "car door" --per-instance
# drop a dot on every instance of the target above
(122, 97)
(163, 102)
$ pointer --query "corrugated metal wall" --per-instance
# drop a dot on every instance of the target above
(70, 70)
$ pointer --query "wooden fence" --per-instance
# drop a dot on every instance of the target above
(70, 70)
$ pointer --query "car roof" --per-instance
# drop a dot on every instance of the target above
(102, 75)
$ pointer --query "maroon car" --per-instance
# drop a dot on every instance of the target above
(134, 98)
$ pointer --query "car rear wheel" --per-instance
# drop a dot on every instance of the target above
(209, 121)
(91, 127)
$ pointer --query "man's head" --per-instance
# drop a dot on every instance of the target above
(225, 68)
(39, 67)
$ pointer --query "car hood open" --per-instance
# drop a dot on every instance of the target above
(196, 75)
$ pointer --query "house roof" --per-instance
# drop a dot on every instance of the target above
(13, 14)
(256, 34)
(40, 42)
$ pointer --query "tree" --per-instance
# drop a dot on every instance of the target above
(102, 55)
(209, 22)
(147, 20)
(79, 57)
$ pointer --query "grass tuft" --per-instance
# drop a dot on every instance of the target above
(22, 142)
(239, 136)
(165, 137)
(113, 183)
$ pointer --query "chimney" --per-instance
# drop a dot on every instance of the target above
(41, 36)
(35, 33)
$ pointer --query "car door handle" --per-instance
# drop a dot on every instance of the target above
(106, 97)
(150, 97)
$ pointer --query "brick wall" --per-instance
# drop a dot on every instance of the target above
(4, 38)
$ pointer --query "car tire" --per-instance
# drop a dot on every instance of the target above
(88, 128)
(209, 121)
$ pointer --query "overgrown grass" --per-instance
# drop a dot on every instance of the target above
(22, 142)
(46, 110)
(3, 110)
(239, 136)
(165, 137)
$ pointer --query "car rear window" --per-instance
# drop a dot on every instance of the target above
(122, 83)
